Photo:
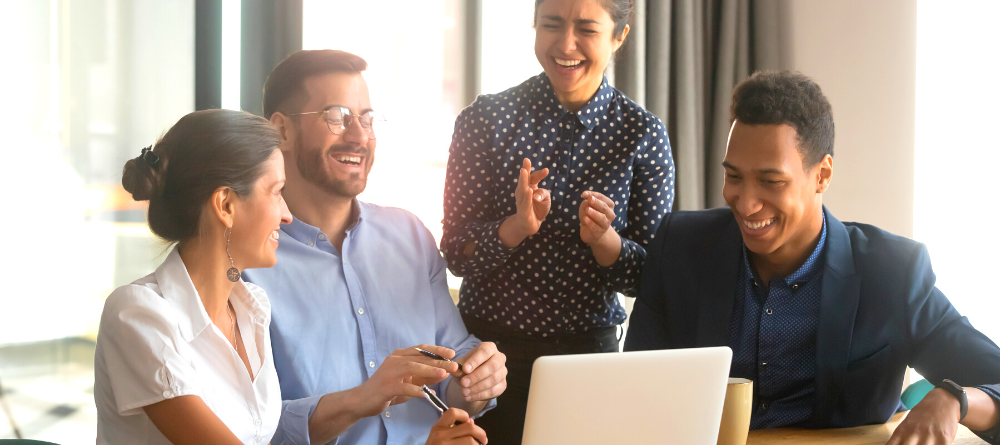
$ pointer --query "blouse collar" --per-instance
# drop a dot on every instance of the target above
(175, 283)
(589, 115)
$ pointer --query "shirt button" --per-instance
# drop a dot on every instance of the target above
(763, 364)
(768, 311)
(764, 405)
(361, 310)
(322, 236)
(258, 439)
(387, 413)
(256, 422)
(311, 243)
(371, 364)
(795, 286)
(168, 394)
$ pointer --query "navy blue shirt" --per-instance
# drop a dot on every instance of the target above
(551, 284)
(772, 333)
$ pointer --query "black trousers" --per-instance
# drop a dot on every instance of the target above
(505, 424)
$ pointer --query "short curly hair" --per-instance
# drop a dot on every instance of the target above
(787, 97)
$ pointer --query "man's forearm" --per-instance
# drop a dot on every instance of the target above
(456, 399)
(983, 413)
(334, 414)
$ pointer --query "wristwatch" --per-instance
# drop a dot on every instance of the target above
(956, 390)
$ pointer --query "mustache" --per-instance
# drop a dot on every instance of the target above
(350, 149)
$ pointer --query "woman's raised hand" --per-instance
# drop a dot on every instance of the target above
(596, 214)
(533, 204)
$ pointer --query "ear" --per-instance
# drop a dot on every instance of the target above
(223, 206)
(824, 174)
(621, 39)
(285, 129)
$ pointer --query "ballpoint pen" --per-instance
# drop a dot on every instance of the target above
(439, 404)
(434, 356)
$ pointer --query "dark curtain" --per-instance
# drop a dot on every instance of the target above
(681, 61)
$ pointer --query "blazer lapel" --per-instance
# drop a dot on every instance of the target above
(840, 291)
(718, 287)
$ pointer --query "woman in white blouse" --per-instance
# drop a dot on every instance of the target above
(184, 354)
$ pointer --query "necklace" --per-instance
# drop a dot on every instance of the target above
(232, 322)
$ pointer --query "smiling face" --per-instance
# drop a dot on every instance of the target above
(336, 164)
(574, 40)
(777, 201)
(258, 217)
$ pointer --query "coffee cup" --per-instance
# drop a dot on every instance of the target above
(736, 411)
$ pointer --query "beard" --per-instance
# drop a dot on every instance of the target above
(312, 167)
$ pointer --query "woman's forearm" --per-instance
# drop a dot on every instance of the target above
(608, 248)
(512, 233)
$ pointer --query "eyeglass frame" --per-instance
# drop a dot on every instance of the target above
(349, 119)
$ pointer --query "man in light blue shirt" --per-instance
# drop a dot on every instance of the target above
(357, 286)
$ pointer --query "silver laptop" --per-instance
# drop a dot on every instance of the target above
(648, 397)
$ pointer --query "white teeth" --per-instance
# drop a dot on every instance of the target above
(274, 234)
(351, 159)
(758, 225)
(568, 63)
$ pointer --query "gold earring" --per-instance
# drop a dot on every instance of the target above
(233, 273)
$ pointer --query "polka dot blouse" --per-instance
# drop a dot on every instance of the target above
(550, 284)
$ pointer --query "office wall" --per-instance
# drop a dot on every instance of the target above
(863, 54)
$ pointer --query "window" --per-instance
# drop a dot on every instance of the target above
(955, 212)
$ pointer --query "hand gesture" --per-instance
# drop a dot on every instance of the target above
(399, 378)
(596, 214)
(933, 421)
(533, 203)
(484, 373)
(456, 428)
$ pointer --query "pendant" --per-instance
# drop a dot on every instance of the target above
(233, 274)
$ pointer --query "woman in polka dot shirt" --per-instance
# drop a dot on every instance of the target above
(553, 188)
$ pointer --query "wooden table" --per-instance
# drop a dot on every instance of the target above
(862, 435)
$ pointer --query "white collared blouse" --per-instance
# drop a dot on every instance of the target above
(156, 342)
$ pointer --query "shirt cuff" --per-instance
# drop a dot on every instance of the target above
(489, 405)
(991, 435)
(491, 248)
(293, 426)
(629, 260)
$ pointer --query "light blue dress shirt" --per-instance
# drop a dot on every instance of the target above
(336, 316)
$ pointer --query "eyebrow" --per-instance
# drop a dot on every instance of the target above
(766, 171)
(556, 18)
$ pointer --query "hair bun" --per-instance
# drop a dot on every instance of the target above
(139, 179)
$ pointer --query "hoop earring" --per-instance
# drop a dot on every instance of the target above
(233, 273)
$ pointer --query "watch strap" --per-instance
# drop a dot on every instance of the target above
(959, 392)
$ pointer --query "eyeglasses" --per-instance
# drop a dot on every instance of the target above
(339, 118)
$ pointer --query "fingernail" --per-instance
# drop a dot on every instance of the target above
(468, 399)
(468, 369)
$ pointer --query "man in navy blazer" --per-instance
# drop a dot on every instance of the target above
(823, 316)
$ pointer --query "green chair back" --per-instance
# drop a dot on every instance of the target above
(915, 393)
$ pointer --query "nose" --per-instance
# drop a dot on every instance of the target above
(747, 201)
(286, 215)
(355, 133)
(567, 41)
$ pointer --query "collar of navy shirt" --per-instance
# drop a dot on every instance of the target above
(554, 110)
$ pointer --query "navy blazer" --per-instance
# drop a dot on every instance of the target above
(879, 312)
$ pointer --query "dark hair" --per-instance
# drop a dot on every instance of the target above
(285, 81)
(786, 97)
(619, 10)
(202, 152)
